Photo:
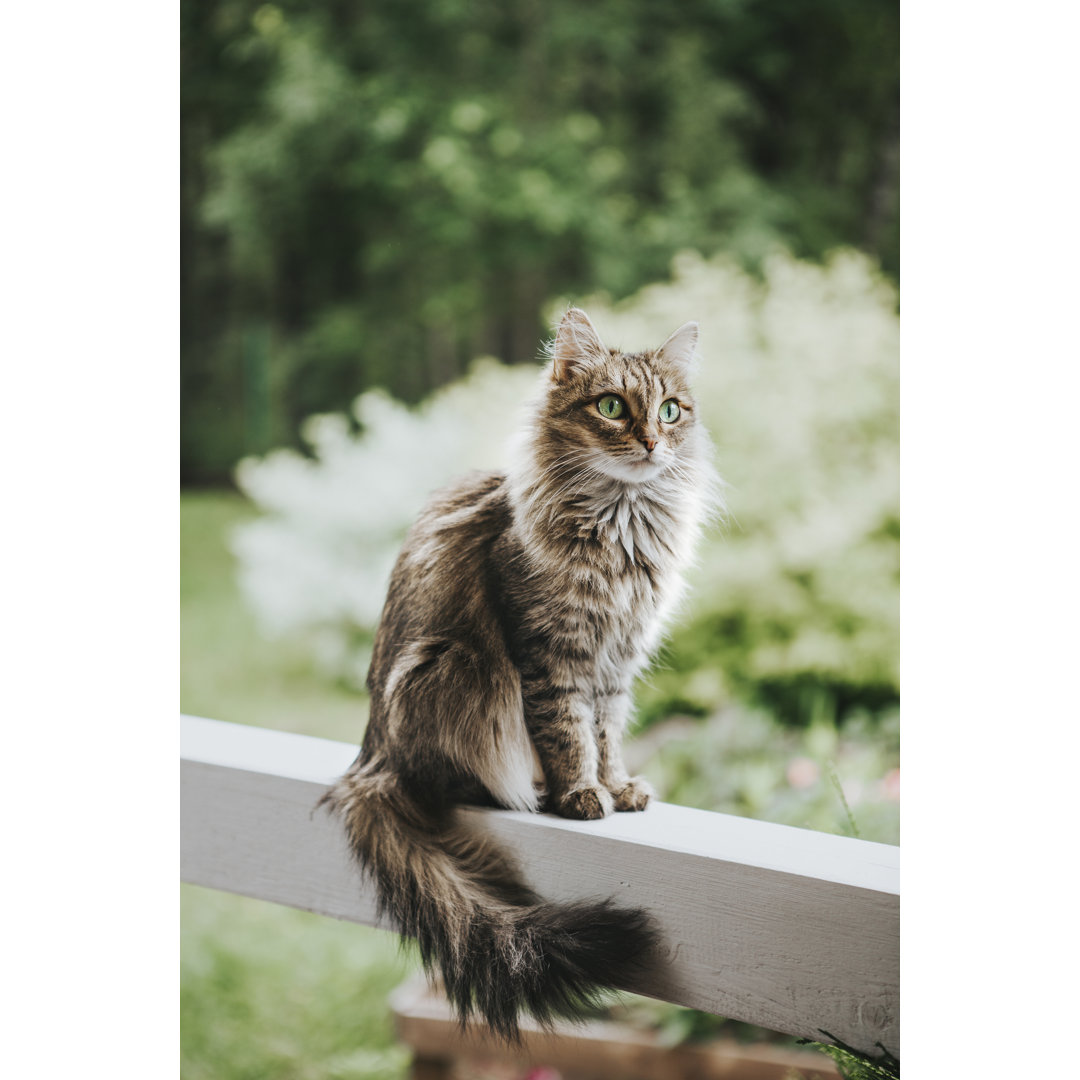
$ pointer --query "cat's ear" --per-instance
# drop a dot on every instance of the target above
(577, 345)
(679, 348)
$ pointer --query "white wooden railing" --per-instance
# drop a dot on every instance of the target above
(790, 929)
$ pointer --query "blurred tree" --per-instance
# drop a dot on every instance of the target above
(221, 84)
(373, 194)
(825, 78)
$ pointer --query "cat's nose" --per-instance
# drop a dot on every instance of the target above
(649, 444)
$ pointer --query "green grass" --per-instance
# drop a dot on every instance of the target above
(267, 992)
(229, 671)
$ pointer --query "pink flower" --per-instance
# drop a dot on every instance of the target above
(890, 785)
(803, 773)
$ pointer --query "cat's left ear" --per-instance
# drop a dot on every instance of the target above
(679, 348)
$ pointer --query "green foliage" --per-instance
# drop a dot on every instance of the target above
(267, 992)
(742, 761)
(377, 193)
(856, 1066)
(675, 1025)
(796, 605)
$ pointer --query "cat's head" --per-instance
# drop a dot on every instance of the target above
(626, 416)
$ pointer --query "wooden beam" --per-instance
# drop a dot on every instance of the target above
(790, 929)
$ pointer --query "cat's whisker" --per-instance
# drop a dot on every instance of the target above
(571, 458)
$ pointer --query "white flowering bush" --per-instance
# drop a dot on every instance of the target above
(796, 597)
(799, 386)
(319, 561)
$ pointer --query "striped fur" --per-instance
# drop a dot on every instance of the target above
(520, 611)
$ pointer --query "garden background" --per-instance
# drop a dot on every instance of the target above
(383, 208)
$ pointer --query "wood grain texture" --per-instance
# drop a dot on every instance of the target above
(787, 928)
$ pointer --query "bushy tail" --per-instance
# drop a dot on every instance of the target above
(499, 949)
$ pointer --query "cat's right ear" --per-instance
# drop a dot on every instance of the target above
(577, 345)
(679, 348)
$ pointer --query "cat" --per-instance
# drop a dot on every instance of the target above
(519, 612)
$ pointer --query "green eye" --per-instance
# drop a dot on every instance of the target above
(611, 406)
(669, 411)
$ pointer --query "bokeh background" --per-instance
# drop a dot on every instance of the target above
(384, 207)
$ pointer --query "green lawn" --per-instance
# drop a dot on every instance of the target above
(229, 671)
(267, 992)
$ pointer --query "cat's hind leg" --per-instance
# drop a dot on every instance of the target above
(448, 701)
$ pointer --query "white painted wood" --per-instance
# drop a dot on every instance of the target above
(787, 928)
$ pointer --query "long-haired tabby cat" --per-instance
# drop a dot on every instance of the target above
(519, 612)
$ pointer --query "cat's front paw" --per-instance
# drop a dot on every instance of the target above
(634, 795)
(585, 804)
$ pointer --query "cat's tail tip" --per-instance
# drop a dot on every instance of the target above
(558, 962)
